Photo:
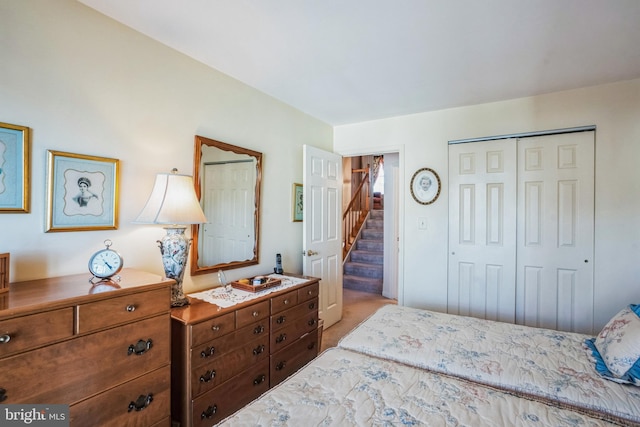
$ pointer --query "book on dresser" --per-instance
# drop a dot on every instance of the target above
(230, 346)
(102, 349)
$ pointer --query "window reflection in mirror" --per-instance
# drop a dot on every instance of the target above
(227, 180)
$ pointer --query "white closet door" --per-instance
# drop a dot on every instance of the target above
(556, 231)
(482, 226)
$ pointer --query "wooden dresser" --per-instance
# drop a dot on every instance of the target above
(223, 358)
(104, 350)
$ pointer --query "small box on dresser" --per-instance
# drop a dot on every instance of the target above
(223, 358)
(106, 354)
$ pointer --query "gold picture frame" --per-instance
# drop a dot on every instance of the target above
(15, 142)
(297, 202)
(82, 192)
(425, 186)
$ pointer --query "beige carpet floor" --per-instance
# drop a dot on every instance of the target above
(356, 307)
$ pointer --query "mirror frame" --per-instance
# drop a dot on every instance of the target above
(195, 228)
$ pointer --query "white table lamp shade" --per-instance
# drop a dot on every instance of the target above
(172, 201)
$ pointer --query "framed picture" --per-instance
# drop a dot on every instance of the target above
(425, 186)
(297, 201)
(14, 168)
(82, 193)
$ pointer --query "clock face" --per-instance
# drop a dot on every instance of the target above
(105, 263)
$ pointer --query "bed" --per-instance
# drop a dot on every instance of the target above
(405, 366)
(543, 364)
(341, 388)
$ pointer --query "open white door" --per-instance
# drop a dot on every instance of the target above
(322, 228)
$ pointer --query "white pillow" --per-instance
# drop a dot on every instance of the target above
(619, 344)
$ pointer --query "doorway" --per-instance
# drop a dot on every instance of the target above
(372, 263)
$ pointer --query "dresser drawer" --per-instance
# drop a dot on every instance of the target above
(219, 370)
(288, 360)
(291, 332)
(125, 309)
(309, 292)
(213, 328)
(68, 371)
(140, 402)
(230, 396)
(34, 330)
(227, 343)
(285, 318)
(284, 302)
(248, 315)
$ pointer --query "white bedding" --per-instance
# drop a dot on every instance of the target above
(540, 363)
(344, 388)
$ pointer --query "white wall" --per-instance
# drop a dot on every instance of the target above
(89, 85)
(614, 109)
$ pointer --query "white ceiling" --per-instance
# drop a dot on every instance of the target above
(346, 61)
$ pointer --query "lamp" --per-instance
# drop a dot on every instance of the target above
(173, 201)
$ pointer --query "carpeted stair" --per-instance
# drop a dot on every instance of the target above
(363, 270)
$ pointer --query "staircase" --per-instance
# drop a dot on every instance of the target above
(363, 269)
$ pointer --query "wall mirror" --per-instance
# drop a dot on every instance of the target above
(227, 180)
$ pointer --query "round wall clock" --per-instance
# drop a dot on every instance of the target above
(105, 263)
(425, 186)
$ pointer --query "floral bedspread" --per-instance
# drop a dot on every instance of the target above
(344, 388)
(539, 363)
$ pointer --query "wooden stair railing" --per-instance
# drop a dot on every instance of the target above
(356, 212)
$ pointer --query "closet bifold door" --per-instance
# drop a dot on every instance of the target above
(555, 284)
(521, 230)
(482, 229)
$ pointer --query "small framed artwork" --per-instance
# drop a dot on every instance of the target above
(82, 193)
(298, 203)
(425, 186)
(14, 168)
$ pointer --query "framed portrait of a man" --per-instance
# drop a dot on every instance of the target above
(425, 186)
(83, 192)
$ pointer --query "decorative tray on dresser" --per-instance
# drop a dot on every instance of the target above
(103, 349)
(231, 346)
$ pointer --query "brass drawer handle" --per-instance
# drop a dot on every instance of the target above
(258, 330)
(281, 338)
(255, 314)
(5, 338)
(258, 350)
(3, 395)
(215, 328)
(311, 322)
(260, 380)
(131, 308)
(280, 320)
(140, 348)
(280, 366)
(207, 352)
(309, 292)
(312, 306)
(207, 376)
(141, 403)
(209, 412)
(285, 302)
(310, 346)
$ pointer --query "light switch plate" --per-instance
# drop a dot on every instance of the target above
(422, 223)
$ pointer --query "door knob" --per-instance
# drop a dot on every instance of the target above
(310, 253)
